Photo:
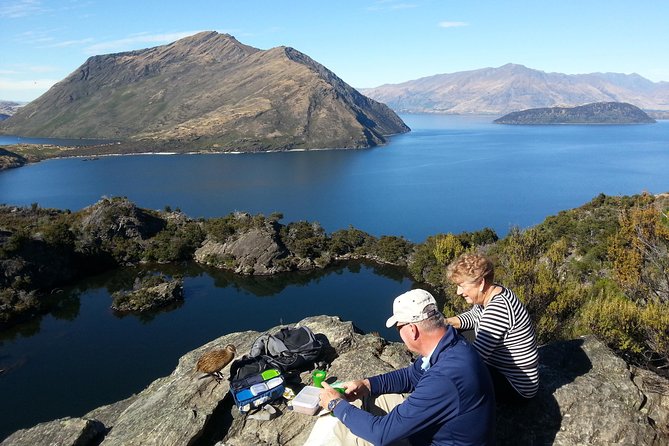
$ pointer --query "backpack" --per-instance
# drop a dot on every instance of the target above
(254, 382)
(291, 349)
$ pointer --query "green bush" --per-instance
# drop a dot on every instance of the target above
(392, 249)
(304, 239)
(350, 241)
(175, 243)
(614, 319)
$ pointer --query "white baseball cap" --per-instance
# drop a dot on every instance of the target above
(409, 307)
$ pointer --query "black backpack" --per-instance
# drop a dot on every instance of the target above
(291, 349)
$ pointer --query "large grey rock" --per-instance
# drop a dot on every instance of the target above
(255, 251)
(147, 295)
(184, 407)
(587, 396)
(62, 432)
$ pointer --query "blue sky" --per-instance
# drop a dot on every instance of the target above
(365, 42)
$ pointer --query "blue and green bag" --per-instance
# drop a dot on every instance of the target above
(254, 383)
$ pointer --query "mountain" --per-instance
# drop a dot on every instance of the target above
(515, 87)
(8, 108)
(208, 91)
(598, 113)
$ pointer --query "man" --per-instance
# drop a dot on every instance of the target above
(451, 401)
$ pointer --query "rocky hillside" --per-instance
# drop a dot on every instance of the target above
(207, 91)
(587, 395)
(598, 113)
(514, 87)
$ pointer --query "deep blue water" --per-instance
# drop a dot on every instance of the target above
(451, 173)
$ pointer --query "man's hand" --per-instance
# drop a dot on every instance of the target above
(356, 390)
(327, 394)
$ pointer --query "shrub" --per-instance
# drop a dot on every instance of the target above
(614, 318)
(392, 249)
(350, 241)
(304, 239)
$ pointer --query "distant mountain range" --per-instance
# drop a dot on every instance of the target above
(207, 91)
(8, 108)
(515, 87)
(598, 113)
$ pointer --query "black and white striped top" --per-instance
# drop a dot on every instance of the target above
(505, 340)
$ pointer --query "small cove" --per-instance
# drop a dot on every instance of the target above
(83, 355)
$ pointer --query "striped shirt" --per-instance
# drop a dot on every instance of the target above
(505, 340)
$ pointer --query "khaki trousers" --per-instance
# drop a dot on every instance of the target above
(329, 431)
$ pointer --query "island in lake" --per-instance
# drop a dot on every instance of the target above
(597, 113)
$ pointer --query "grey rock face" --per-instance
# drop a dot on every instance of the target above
(587, 396)
(253, 252)
(144, 298)
(62, 432)
(115, 217)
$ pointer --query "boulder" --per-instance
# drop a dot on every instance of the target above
(149, 293)
(255, 251)
(116, 231)
(587, 396)
(62, 432)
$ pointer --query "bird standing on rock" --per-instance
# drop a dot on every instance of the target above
(213, 361)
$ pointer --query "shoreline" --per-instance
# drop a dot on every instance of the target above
(32, 158)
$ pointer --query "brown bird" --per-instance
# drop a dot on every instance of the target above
(213, 361)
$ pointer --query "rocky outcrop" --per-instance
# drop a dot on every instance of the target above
(587, 396)
(118, 217)
(148, 293)
(65, 432)
(10, 160)
(256, 251)
(117, 230)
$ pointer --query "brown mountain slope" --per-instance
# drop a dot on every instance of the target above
(515, 87)
(208, 91)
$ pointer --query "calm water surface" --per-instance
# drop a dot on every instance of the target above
(451, 173)
(84, 356)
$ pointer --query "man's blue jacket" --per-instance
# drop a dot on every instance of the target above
(452, 403)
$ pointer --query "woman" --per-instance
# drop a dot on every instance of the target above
(505, 337)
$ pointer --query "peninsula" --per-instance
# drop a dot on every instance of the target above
(597, 113)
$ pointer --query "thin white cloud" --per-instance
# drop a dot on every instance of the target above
(403, 6)
(6, 72)
(42, 69)
(20, 8)
(68, 43)
(447, 24)
(136, 42)
(385, 5)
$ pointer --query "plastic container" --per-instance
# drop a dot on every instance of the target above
(307, 400)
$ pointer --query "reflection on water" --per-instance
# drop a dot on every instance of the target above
(84, 355)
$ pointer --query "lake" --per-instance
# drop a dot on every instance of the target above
(84, 355)
(451, 173)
